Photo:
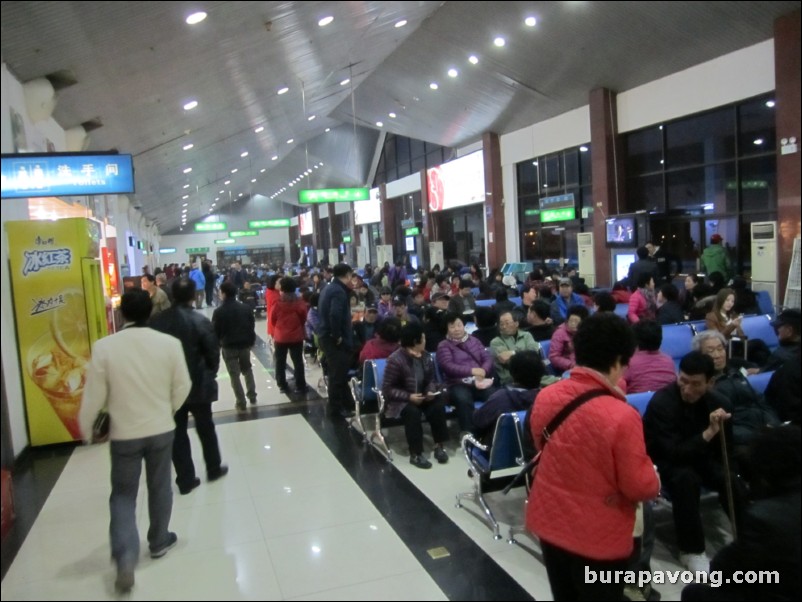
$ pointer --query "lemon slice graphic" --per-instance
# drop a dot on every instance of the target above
(69, 326)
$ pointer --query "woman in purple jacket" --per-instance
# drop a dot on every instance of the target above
(463, 361)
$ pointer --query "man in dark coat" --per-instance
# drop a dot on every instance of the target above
(202, 353)
(336, 337)
(234, 326)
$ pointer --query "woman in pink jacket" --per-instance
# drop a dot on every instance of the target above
(561, 350)
(594, 469)
(642, 303)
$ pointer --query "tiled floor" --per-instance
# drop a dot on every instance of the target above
(305, 513)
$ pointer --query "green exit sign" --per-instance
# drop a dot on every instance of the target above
(211, 227)
(346, 239)
(225, 241)
(557, 215)
(197, 250)
(412, 231)
(269, 223)
(531, 212)
(333, 195)
(241, 233)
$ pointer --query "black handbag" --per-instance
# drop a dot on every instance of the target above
(101, 426)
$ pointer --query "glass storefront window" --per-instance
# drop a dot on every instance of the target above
(701, 139)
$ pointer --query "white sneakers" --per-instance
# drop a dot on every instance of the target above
(695, 562)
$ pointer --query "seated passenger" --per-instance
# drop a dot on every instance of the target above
(649, 369)
(603, 302)
(366, 329)
(486, 325)
(503, 302)
(538, 321)
(561, 350)
(787, 327)
(463, 303)
(723, 318)
(566, 299)
(783, 393)
(509, 341)
(381, 346)
(410, 392)
(669, 311)
(642, 303)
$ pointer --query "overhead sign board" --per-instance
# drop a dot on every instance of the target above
(557, 215)
(225, 241)
(241, 233)
(65, 174)
(211, 227)
(346, 239)
(412, 231)
(456, 183)
(333, 195)
(166, 250)
(197, 250)
(270, 223)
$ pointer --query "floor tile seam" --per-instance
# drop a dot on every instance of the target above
(348, 585)
(344, 523)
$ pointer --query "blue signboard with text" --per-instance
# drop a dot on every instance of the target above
(65, 174)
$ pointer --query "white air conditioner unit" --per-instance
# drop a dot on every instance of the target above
(587, 258)
(764, 258)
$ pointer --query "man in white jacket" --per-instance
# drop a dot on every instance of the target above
(140, 376)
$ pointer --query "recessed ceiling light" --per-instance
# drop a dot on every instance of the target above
(530, 21)
(196, 18)
(499, 41)
(188, 146)
(253, 180)
(227, 182)
(283, 90)
(401, 23)
(316, 166)
(274, 157)
(345, 82)
(391, 115)
(311, 118)
(187, 170)
(186, 196)
(328, 129)
(321, 163)
(263, 170)
(770, 103)
(453, 72)
(473, 59)
(241, 194)
(291, 140)
(325, 21)
(583, 149)
(186, 185)
(235, 170)
(379, 124)
(185, 204)
(190, 105)
(757, 141)
(292, 184)
(434, 86)
(243, 154)
(259, 130)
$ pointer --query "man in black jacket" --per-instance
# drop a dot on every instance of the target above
(336, 337)
(202, 353)
(234, 326)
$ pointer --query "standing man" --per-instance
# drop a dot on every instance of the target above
(715, 259)
(157, 296)
(200, 285)
(336, 337)
(141, 378)
(202, 353)
(234, 326)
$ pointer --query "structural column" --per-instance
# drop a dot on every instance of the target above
(494, 202)
(389, 220)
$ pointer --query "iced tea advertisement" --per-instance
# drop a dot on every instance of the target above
(52, 321)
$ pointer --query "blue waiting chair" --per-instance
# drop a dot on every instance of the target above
(759, 327)
(485, 302)
(764, 303)
(640, 401)
(505, 452)
(367, 398)
(697, 325)
(676, 341)
(622, 309)
(760, 381)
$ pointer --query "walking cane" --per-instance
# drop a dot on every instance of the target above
(726, 459)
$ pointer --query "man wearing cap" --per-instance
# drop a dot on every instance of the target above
(565, 299)
(463, 302)
(715, 259)
(440, 301)
(366, 328)
(787, 326)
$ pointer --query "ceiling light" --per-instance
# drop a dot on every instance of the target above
(400, 23)
(186, 185)
(770, 104)
(263, 170)
(243, 154)
(311, 118)
(185, 204)
(259, 130)
(186, 196)
(292, 184)
(235, 170)
(227, 182)
(328, 129)
(241, 194)
(345, 82)
(274, 157)
(473, 59)
(453, 72)
(500, 42)
(433, 86)
(530, 21)
(283, 91)
(757, 141)
(222, 192)
(379, 124)
(253, 180)
(187, 170)
(321, 164)
(190, 105)
(188, 146)
(316, 166)
(583, 149)
(291, 140)
(196, 18)
(325, 21)
(392, 115)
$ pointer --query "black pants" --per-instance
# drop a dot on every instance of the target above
(209, 295)
(684, 485)
(567, 573)
(182, 453)
(297, 354)
(338, 360)
(412, 415)
(462, 397)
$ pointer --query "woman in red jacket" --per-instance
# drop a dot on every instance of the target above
(594, 469)
(272, 295)
(287, 320)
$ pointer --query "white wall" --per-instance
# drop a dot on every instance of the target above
(181, 242)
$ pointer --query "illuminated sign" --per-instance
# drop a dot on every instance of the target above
(412, 231)
(557, 215)
(195, 250)
(167, 250)
(333, 195)
(269, 223)
(241, 233)
(65, 174)
(225, 241)
(346, 239)
(557, 202)
(211, 227)
(532, 212)
(456, 183)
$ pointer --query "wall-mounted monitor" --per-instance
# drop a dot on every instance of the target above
(622, 232)
(409, 243)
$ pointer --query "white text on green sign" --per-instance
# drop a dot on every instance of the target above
(333, 195)
(346, 239)
(269, 223)
(412, 231)
(211, 227)
(241, 233)
(557, 215)
(191, 250)
(225, 241)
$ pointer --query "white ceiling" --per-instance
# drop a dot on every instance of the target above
(137, 63)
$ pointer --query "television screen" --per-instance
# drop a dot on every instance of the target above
(342, 248)
(409, 243)
(622, 232)
(622, 263)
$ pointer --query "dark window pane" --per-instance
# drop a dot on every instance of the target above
(402, 149)
(550, 176)
(392, 174)
(529, 208)
(530, 244)
(701, 139)
(434, 158)
(702, 190)
(571, 169)
(758, 183)
(644, 152)
(756, 123)
(585, 167)
(418, 163)
(527, 177)
(403, 169)
(645, 192)
(416, 148)
(389, 152)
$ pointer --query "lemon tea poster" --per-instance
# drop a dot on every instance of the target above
(58, 306)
